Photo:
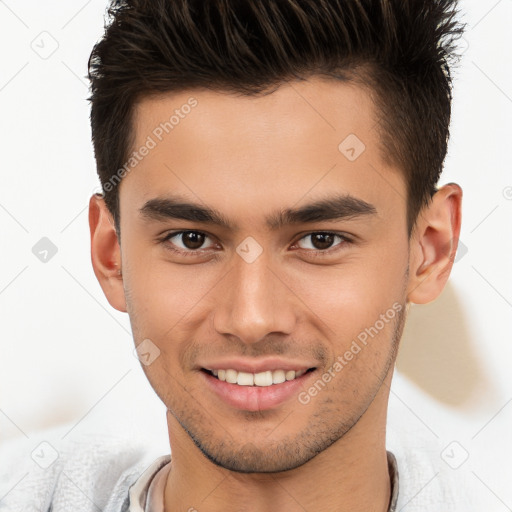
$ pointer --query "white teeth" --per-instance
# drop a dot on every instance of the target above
(231, 376)
(245, 379)
(278, 377)
(290, 375)
(262, 379)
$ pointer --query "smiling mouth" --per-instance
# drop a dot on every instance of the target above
(262, 379)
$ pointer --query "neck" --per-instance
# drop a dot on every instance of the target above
(351, 475)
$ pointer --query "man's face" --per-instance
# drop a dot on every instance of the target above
(259, 294)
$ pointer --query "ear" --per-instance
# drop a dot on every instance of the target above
(106, 252)
(433, 244)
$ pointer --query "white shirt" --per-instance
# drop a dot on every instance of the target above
(147, 494)
(103, 472)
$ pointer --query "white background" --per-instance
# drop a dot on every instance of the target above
(66, 355)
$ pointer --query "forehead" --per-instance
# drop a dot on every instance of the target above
(314, 110)
(305, 138)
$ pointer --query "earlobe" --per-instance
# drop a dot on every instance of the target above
(434, 244)
(106, 253)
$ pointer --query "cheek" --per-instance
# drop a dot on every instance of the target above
(165, 298)
(162, 301)
(168, 299)
(352, 296)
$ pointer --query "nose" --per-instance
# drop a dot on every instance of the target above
(254, 302)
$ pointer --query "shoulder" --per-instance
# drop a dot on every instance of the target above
(83, 472)
(427, 483)
(434, 471)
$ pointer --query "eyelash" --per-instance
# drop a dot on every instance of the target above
(312, 252)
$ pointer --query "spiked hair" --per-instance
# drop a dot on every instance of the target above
(401, 50)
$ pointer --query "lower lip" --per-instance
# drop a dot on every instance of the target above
(255, 398)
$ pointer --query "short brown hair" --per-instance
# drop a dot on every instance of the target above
(401, 49)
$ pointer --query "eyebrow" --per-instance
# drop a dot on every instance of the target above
(339, 207)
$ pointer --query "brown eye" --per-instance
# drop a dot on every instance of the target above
(192, 239)
(321, 241)
(186, 242)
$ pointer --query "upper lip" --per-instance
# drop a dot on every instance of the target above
(255, 365)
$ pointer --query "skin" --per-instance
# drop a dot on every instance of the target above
(249, 157)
